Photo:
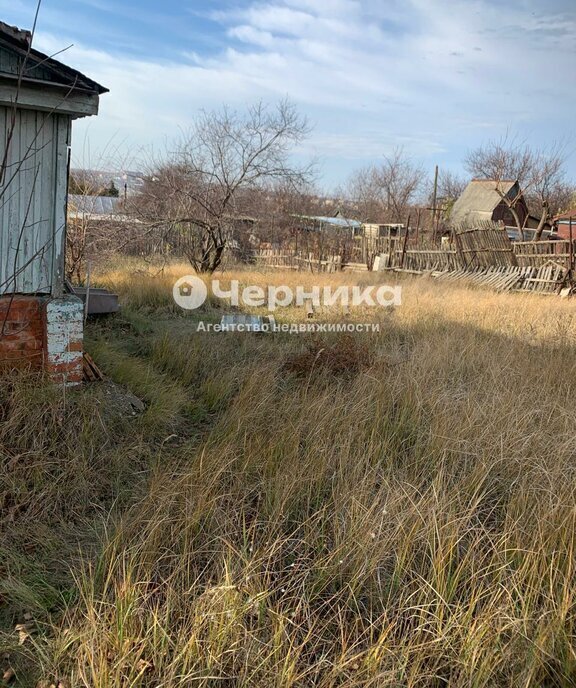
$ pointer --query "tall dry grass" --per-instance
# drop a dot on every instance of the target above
(404, 520)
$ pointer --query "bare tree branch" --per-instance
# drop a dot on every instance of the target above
(203, 187)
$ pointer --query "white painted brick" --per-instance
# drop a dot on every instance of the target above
(64, 326)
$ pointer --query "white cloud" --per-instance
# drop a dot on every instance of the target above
(425, 74)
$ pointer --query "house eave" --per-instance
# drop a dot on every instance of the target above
(47, 97)
(19, 43)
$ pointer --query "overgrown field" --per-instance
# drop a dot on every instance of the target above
(374, 509)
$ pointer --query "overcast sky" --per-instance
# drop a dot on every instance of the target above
(437, 77)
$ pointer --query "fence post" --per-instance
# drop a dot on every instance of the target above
(571, 247)
(459, 252)
(405, 242)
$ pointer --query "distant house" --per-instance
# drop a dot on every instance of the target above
(481, 201)
(319, 223)
(562, 222)
(379, 231)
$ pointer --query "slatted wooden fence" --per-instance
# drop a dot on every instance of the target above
(272, 258)
(482, 255)
(423, 260)
(538, 253)
(548, 278)
(470, 248)
(483, 246)
(286, 260)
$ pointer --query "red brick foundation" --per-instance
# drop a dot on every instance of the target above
(41, 333)
(21, 332)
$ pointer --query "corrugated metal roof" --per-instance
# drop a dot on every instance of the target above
(92, 205)
(479, 200)
(97, 209)
(336, 221)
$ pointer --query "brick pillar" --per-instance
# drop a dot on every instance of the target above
(21, 332)
(63, 339)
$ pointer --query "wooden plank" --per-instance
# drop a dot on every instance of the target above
(90, 370)
(58, 100)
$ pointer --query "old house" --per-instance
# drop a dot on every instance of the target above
(40, 324)
(371, 230)
(565, 225)
(488, 200)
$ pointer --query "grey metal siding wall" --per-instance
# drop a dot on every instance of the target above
(33, 201)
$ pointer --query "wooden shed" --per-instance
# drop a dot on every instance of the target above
(481, 201)
(39, 98)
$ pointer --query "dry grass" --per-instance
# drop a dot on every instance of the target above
(408, 523)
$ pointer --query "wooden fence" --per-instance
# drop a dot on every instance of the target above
(468, 251)
(286, 260)
(485, 256)
(483, 246)
(538, 253)
(548, 278)
(482, 255)
(271, 258)
(423, 260)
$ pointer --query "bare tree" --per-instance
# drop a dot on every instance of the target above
(450, 186)
(400, 181)
(385, 192)
(278, 205)
(364, 195)
(540, 173)
(203, 188)
(506, 158)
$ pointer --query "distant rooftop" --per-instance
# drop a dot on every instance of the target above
(565, 217)
(479, 200)
(335, 221)
(133, 180)
(97, 205)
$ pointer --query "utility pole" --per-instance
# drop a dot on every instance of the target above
(435, 196)
(434, 209)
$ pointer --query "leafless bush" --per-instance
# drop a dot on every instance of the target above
(539, 171)
(202, 189)
(345, 356)
(385, 192)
